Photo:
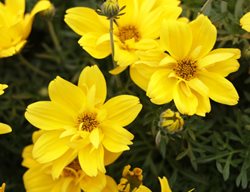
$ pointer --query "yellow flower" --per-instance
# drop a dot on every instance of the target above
(78, 122)
(16, 25)
(2, 188)
(4, 128)
(171, 121)
(136, 30)
(245, 22)
(38, 178)
(186, 70)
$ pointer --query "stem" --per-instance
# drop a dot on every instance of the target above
(54, 36)
(30, 66)
(111, 29)
(205, 6)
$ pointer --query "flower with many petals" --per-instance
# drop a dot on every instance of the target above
(186, 69)
(4, 128)
(38, 177)
(79, 123)
(136, 30)
(15, 25)
(245, 22)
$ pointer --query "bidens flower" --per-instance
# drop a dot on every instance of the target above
(38, 177)
(186, 70)
(78, 122)
(16, 25)
(4, 128)
(136, 30)
(245, 22)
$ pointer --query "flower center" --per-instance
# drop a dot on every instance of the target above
(72, 169)
(128, 32)
(186, 69)
(87, 121)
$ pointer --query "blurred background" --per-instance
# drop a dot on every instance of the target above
(211, 154)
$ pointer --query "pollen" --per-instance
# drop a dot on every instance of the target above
(186, 69)
(87, 121)
(128, 32)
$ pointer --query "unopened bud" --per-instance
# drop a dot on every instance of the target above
(171, 121)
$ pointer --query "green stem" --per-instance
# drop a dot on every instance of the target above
(30, 66)
(54, 36)
(205, 6)
(111, 30)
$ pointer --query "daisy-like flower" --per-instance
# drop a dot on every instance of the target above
(16, 25)
(187, 70)
(136, 30)
(245, 22)
(38, 177)
(78, 122)
(4, 128)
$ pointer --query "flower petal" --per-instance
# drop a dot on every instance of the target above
(185, 101)
(91, 160)
(141, 74)
(49, 147)
(204, 36)
(176, 38)
(16, 7)
(220, 89)
(245, 22)
(84, 20)
(218, 55)
(67, 95)
(123, 109)
(116, 138)
(164, 185)
(46, 115)
(4, 128)
(92, 76)
(91, 43)
(160, 87)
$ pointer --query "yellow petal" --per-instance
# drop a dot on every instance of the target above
(245, 22)
(198, 86)
(143, 188)
(111, 185)
(4, 128)
(117, 70)
(93, 184)
(185, 101)
(92, 76)
(17, 7)
(204, 36)
(122, 109)
(49, 147)
(124, 57)
(12, 50)
(160, 87)
(91, 160)
(116, 138)
(176, 38)
(84, 20)
(164, 185)
(218, 55)
(2, 87)
(59, 164)
(95, 138)
(110, 157)
(141, 74)
(203, 104)
(67, 95)
(90, 43)
(41, 5)
(224, 68)
(220, 89)
(47, 115)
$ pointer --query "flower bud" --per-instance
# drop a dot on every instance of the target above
(171, 121)
(110, 8)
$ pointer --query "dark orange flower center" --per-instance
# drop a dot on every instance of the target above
(72, 169)
(87, 121)
(186, 69)
(128, 32)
